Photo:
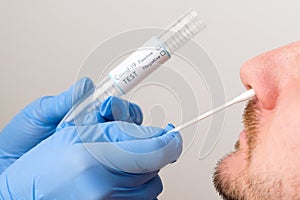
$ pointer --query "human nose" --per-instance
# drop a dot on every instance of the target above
(271, 73)
(262, 74)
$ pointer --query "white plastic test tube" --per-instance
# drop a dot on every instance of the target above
(139, 64)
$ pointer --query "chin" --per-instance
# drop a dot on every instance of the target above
(230, 176)
(238, 178)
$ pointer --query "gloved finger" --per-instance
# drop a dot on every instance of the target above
(108, 132)
(147, 191)
(116, 131)
(115, 109)
(36, 122)
(136, 154)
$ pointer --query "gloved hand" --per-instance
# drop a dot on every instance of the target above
(97, 160)
(39, 120)
(112, 160)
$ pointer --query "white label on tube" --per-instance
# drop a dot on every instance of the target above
(139, 65)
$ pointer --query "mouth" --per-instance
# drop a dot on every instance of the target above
(247, 137)
(242, 141)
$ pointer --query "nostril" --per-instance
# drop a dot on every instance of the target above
(266, 91)
(259, 76)
(248, 87)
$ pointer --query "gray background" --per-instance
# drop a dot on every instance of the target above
(42, 44)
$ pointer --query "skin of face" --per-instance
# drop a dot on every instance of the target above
(266, 162)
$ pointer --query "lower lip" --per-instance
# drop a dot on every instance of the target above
(243, 138)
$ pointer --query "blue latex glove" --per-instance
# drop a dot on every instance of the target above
(96, 168)
(38, 120)
(112, 160)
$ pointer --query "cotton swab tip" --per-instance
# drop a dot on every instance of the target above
(245, 96)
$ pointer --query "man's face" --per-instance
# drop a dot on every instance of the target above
(266, 162)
